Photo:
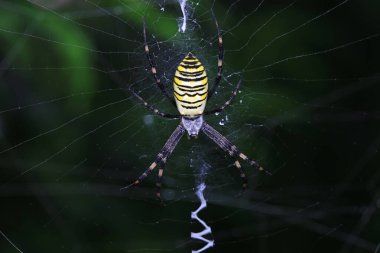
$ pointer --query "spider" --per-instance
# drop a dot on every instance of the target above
(190, 95)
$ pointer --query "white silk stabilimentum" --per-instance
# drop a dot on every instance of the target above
(194, 215)
(182, 3)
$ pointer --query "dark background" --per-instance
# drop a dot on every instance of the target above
(71, 134)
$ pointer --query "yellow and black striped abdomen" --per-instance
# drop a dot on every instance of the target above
(190, 86)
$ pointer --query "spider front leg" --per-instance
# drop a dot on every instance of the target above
(231, 149)
(242, 175)
(162, 157)
(159, 181)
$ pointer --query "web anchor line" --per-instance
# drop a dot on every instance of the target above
(194, 216)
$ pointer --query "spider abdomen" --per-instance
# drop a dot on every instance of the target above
(190, 86)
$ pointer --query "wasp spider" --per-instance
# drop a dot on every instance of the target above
(190, 95)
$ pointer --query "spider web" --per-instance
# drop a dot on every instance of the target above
(71, 134)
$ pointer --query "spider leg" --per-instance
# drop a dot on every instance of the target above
(153, 68)
(220, 59)
(116, 78)
(227, 103)
(228, 147)
(242, 175)
(165, 152)
(159, 181)
(152, 108)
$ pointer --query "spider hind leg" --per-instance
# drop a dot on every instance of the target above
(153, 68)
(220, 59)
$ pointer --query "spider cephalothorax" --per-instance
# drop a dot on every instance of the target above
(192, 125)
(190, 95)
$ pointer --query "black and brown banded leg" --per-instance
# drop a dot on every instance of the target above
(227, 103)
(220, 59)
(243, 176)
(152, 108)
(153, 68)
(159, 181)
(116, 78)
(162, 157)
(231, 149)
